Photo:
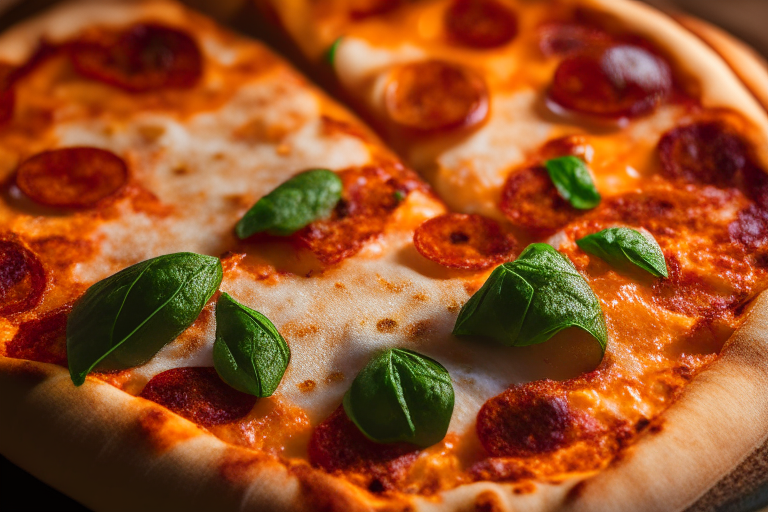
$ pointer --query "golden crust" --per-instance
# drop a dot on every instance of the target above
(112, 451)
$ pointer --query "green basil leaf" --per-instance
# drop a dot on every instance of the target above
(573, 182)
(248, 354)
(330, 53)
(623, 246)
(304, 198)
(124, 320)
(401, 396)
(531, 299)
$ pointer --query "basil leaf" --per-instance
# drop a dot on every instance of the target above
(401, 396)
(573, 182)
(624, 246)
(304, 198)
(248, 354)
(531, 299)
(330, 53)
(124, 320)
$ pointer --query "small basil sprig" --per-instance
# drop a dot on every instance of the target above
(401, 396)
(624, 246)
(124, 320)
(302, 199)
(330, 53)
(248, 354)
(531, 299)
(573, 182)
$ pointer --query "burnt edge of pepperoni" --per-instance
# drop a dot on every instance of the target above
(620, 81)
(369, 197)
(470, 242)
(22, 278)
(43, 339)
(199, 395)
(480, 24)
(566, 38)
(433, 96)
(73, 177)
(144, 57)
(708, 152)
(531, 420)
(530, 201)
(338, 445)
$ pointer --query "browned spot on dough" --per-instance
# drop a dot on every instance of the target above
(158, 428)
(472, 286)
(488, 501)
(334, 378)
(524, 488)
(420, 297)
(293, 330)
(307, 386)
(454, 307)
(325, 493)
(340, 286)
(238, 466)
(386, 325)
(117, 378)
(331, 126)
(576, 492)
(391, 287)
(656, 427)
(182, 170)
(419, 329)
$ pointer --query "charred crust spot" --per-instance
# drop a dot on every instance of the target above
(386, 325)
(576, 492)
(420, 329)
(307, 386)
(160, 430)
(488, 501)
(334, 378)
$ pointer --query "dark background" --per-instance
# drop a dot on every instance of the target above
(748, 19)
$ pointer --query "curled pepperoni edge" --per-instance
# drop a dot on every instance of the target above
(35, 271)
(468, 233)
(36, 176)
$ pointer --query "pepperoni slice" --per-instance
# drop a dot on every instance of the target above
(370, 195)
(620, 81)
(433, 95)
(570, 145)
(199, 395)
(43, 339)
(456, 240)
(77, 177)
(361, 9)
(563, 39)
(22, 278)
(705, 152)
(531, 420)
(480, 23)
(338, 445)
(530, 201)
(7, 93)
(145, 57)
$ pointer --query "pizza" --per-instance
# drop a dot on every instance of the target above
(534, 285)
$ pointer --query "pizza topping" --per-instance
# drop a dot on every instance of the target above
(306, 197)
(530, 201)
(7, 92)
(338, 445)
(369, 195)
(124, 320)
(433, 95)
(531, 299)
(361, 9)
(622, 247)
(248, 353)
(22, 278)
(563, 39)
(401, 396)
(75, 177)
(457, 240)
(43, 339)
(620, 81)
(330, 54)
(531, 420)
(480, 23)
(705, 152)
(573, 182)
(199, 395)
(750, 228)
(142, 58)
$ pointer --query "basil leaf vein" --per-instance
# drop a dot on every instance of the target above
(124, 320)
(624, 246)
(293, 205)
(529, 300)
(573, 182)
(401, 396)
(249, 353)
